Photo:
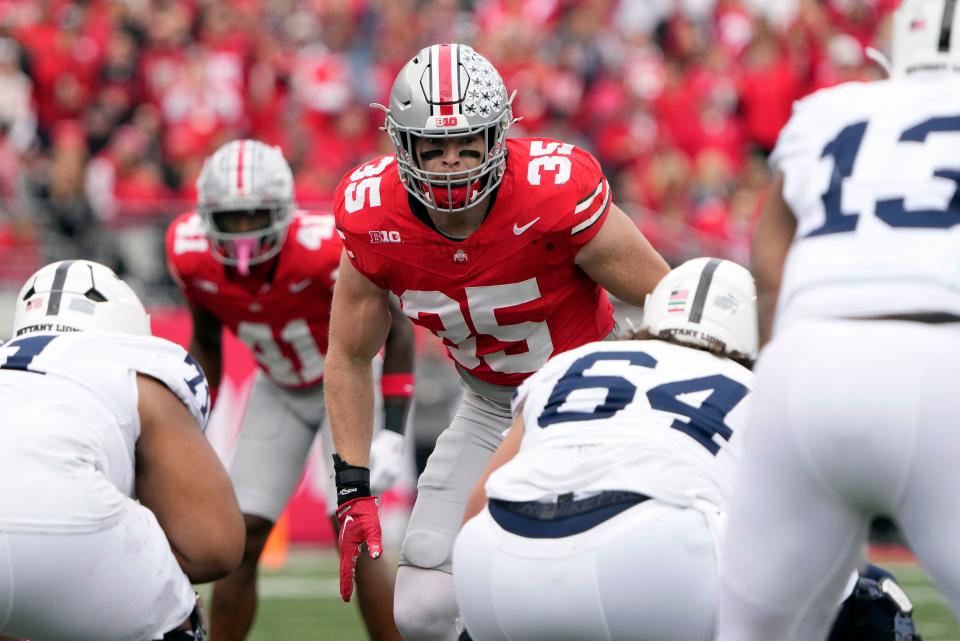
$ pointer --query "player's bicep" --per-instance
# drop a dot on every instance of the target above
(360, 319)
(771, 241)
(182, 481)
(622, 260)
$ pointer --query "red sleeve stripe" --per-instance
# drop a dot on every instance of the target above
(585, 203)
(598, 212)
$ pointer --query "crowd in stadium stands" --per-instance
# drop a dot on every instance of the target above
(108, 107)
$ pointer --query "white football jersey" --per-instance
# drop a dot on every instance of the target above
(872, 173)
(641, 416)
(71, 422)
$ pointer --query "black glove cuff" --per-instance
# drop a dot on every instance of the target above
(352, 482)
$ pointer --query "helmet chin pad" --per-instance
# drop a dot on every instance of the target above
(452, 194)
(244, 249)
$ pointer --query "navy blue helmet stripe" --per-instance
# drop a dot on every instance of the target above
(700, 298)
(56, 291)
(946, 25)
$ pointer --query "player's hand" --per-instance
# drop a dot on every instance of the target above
(386, 460)
(359, 524)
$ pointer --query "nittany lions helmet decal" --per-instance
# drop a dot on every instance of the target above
(449, 90)
(78, 296)
(246, 176)
(926, 35)
(708, 303)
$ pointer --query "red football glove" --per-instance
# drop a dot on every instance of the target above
(359, 524)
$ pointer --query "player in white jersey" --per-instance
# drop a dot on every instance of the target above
(606, 494)
(854, 414)
(111, 500)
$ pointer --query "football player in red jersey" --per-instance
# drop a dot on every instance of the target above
(502, 248)
(249, 260)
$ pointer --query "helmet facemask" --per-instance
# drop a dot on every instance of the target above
(243, 249)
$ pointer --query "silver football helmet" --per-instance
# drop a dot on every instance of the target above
(926, 36)
(707, 303)
(245, 192)
(78, 296)
(449, 90)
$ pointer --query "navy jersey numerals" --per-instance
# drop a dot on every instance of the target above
(707, 419)
(198, 384)
(844, 149)
(18, 354)
(702, 422)
(620, 391)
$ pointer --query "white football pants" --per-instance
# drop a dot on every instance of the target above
(850, 419)
(647, 574)
(119, 584)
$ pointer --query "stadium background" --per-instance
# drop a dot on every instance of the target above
(108, 108)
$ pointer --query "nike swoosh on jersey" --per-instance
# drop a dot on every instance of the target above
(298, 287)
(517, 229)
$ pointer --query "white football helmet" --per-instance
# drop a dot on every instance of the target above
(246, 176)
(78, 296)
(708, 303)
(449, 90)
(926, 36)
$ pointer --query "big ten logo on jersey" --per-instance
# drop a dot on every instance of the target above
(549, 157)
(913, 180)
(364, 187)
(189, 236)
(314, 229)
(384, 237)
(481, 312)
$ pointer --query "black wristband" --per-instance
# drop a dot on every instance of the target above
(352, 482)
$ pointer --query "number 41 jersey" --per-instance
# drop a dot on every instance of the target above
(872, 175)
(641, 416)
(509, 296)
(283, 317)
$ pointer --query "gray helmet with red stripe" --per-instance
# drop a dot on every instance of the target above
(245, 176)
(449, 90)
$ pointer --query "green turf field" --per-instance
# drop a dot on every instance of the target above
(302, 602)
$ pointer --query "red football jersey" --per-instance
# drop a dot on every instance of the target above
(508, 297)
(285, 319)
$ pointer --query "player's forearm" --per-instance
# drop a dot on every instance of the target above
(348, 389)
(210, 358)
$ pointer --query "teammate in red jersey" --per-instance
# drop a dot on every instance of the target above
(502, 248)
(248, 260)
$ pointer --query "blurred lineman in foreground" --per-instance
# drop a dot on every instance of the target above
(113, 501)
(856, 404)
